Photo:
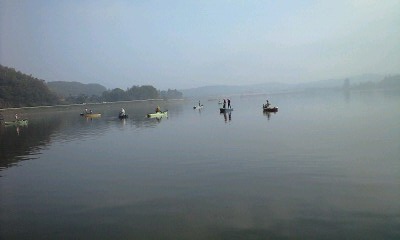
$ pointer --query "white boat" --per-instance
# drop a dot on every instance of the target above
(198, 107)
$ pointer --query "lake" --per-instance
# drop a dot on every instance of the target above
(325, 166)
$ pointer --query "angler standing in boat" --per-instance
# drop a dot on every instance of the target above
(223, 106)
(16, 117)
(229, 103)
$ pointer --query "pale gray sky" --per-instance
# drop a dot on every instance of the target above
(183, 44)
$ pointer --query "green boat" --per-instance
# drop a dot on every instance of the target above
(23, 122)
(158, 114)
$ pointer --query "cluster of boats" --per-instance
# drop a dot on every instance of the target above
(122, 114)
(266, 107)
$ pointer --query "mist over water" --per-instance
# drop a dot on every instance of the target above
(325, 166)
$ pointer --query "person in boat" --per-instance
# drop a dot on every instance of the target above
(224, 104)
(16, 117)
(122, 113)
(199, 103)
(86, 110)
(229, 103)
(267, 104)
(158, 109)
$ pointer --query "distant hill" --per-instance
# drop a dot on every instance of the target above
(389, 82)
(274, 87)
(66, 89)
(338, 82)
(223, 90)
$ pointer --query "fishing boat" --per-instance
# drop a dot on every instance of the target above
(225, 110)
(122, 116)
(198, 107)
(158, 114)
(269, 108)
(91, 115)
(22, 122)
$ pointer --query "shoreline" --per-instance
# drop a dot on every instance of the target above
(86, 104)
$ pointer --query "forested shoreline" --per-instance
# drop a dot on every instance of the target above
(21, 90)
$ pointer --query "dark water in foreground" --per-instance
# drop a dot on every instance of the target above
(326, 166)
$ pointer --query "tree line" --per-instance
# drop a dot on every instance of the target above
(139, 93)
(134, 93)
(21, 90)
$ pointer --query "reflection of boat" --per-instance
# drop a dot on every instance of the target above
(23, 122)
(227, 116)
(269, 108)
(158, 114)
(91, 115)
(268, 114)
(198, 107)
(224, 110)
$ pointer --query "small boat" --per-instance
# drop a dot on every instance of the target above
(198, 107)
(91, 115)
(269, 108)
(158, 114)
(122, 116)
(23, 122)
(225, 110)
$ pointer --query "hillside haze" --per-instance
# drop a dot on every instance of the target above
(275, 87)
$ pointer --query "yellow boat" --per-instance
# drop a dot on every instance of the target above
(91, 115)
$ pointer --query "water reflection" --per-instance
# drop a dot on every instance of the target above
(186, 177)
(19, 143)
(123, 121)
(65, 125)
(227, 116)
(268, 114)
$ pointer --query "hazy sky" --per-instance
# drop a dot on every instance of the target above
(183, 44)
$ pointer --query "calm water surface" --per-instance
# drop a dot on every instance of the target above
(326, 166)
